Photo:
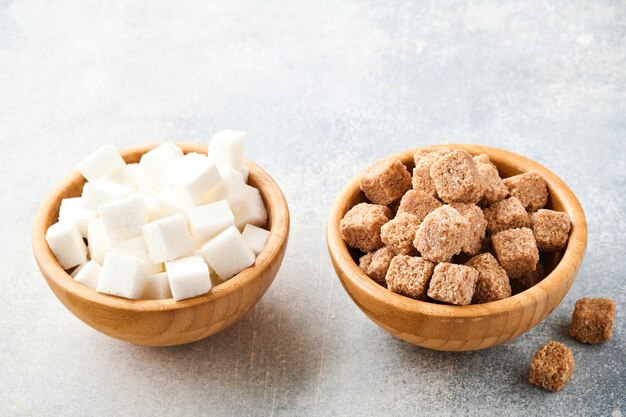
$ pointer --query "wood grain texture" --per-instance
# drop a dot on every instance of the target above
(165, 322)
(463, 328)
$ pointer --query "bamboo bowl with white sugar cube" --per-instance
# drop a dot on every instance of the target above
(165, 322)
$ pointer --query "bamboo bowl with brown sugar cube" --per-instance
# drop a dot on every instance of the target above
(469, 327)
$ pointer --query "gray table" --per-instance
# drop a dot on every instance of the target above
(323, 88)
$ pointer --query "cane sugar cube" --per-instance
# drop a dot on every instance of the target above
(453, 284)
(255, 237)
(98, 240)
(399, 233)
(456, 178)
(360, 227)
(530, 188)
(385, 181)
(168, 238)
(66, 244)
(516, 251)
(121, 275)
(155, 163)
(506, 214)
(89, 274)
(418, 203)
(188, 277)
(136, 247)
(493, 186)
(442, 234)
(409, 276)
(227, 253)
(376, 264)
(552, 367)
(245, 173)
(226, 148)
(97, 193)
(101, 162)
(551, 229)
(123, 219)
(530, 279)
(424, 159)
(592, 321)
(72, 210)
(194, 175)
(252, 211)
(478, 226)
(208, 220)
(157, 287)
(493, 283)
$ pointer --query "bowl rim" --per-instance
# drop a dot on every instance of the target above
(278, 219)
(571, 259)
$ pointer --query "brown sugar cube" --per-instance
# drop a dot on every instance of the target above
(409, 275)
(418, 203)
(360, 227)
(456, 178)
(424, 158)
(385, 181)
(529, 279)
(442, 234)
(551, 229)
(506, 214)
(478, 226)
(376, 264)
(516, 251)
(530, 188)
(493, 283)
(399, 233)
(453, 284)
(592, 321)
(552, 367)
(494, 189)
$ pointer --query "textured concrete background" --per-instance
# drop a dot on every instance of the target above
(323, 88)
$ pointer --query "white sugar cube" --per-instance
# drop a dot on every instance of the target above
(66, 244)
(121, 275)
(232, 189)
(88, 274)
(157, 287)
(208, 220)
(252, 211)
(168, 238)
(226, 148)
(194, 175)
(101, 162)
(188, 277)
(227, 253)
(136, 247)
(245, 173)
(255, 237)
(154, 164)
(123, 219)
(123, 176)
(73, 211)
(98, 240)
(97, 193)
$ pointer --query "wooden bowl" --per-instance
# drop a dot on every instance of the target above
(462, 328)
(165, 322)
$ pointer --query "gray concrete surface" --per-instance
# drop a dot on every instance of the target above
(323, 88)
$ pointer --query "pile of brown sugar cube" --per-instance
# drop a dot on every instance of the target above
(454, 231)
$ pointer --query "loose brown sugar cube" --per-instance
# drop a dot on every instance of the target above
(551, 229)
(494, 189)
(424, 159)
(453, 284)
(360, 227)
(516, 251)
(385, 181)
(399, 233)
(442, 234)
(529, 279)
(493, 283)
(456, 178)
(376, 264)
(592, 321)
(530, 188)
(418, 203)
(478, 226)
(506, 214)
(552, 367)
(409, 275)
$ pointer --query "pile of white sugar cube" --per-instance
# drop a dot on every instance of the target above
(160, 228)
